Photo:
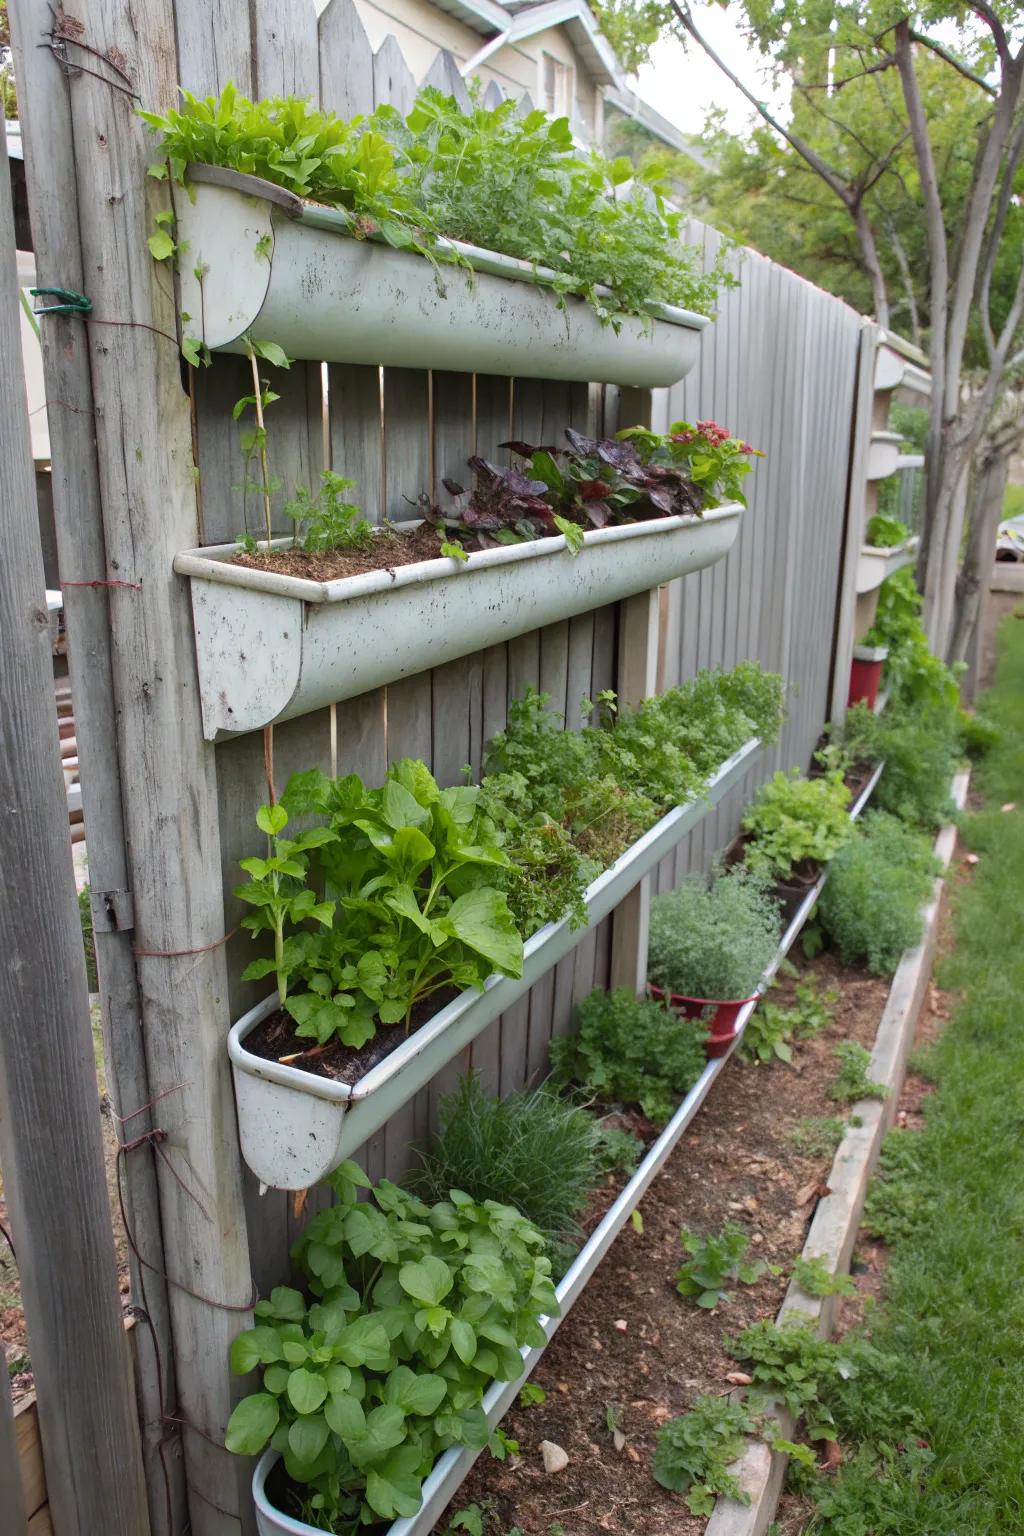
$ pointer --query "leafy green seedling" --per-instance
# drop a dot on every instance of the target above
(694, 1452)
(714, 1261)
(531, 1395)
(278, 892)
(852, 1082)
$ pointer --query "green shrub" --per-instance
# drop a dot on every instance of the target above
(913, 676)
(714, 940)
(872, 905)
(630, 1050)
(978, 734)
(416, 1310)
(532, 1150)
(921, 746)
(793, 819)
(921, 752)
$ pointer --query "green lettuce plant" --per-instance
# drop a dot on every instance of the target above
(884, 532)
(409, 1312)
(794, 819)
(414, 875)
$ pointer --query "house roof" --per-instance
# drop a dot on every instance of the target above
(518, 19)
(526, 20)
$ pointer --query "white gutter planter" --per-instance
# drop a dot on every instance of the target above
(289, 271)
(295, 1127)
(270, 647)
(452, 1467)
(896, 370)
(874, 564)
(884, 454)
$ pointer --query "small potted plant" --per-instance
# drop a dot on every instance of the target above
(709, 946)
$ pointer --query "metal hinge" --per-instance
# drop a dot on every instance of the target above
(112, 911)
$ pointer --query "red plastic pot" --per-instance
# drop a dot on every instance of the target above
(866, 674)
(722, 1024)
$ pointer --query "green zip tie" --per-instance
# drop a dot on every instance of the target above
(71, 303)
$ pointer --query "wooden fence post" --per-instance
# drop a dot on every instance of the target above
(639, 635)
(50, 1144)
(856, 515)
(47, 136)
(167, 771)
(11, 1499)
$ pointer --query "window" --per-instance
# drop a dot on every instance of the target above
(555, 86)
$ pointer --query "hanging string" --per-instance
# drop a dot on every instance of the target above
(176, 954)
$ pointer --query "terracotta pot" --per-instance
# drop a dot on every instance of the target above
(722, 1023)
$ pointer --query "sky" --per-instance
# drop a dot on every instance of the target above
(684, 84)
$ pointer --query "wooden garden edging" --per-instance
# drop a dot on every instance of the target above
(833, 1231)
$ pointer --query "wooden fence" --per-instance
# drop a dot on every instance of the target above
(169, 816)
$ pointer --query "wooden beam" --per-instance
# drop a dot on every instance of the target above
(50, 1144)
(637, 679)
(11, 1497)
(47, 133)
(167, 775)
(859, 488)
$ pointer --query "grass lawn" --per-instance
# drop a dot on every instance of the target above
(933, 1433)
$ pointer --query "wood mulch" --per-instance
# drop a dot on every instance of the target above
(633, 1352)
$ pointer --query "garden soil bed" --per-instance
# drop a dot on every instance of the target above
(385, 552)
(632, 1348)
(275, 1040)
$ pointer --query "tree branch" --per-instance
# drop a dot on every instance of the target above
(995, 234)
(935, 223)
(951, 58)
(982, 9)
(814, 160)
(908, 281)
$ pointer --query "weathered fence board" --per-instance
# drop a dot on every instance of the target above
(88, 1414)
